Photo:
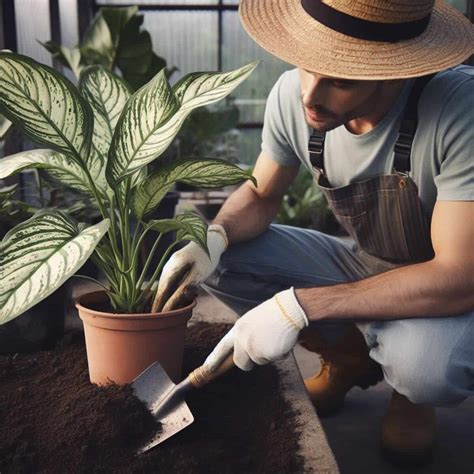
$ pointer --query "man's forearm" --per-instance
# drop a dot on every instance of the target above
(245, 215)
(426, 289)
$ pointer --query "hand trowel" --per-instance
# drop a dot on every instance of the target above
(165, 399)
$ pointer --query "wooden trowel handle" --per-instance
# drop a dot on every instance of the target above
(202, 376)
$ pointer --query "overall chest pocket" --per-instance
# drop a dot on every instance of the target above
(382, 226)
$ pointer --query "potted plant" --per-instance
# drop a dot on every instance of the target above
(101, 138)
(116, 40)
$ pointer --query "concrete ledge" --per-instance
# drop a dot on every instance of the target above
(314, 447)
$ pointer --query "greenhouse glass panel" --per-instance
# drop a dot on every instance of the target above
(31, 28)
(461, 5)
(238, 49)
(249, 145)
(69, 23)
(157, 2)
(187, 40)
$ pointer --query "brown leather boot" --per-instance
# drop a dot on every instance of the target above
(344, 365)
(408, 432)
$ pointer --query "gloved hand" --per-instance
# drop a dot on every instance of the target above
(188, 267)
(266, 333)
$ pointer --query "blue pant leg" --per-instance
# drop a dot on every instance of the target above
(283, 256)
(429, 360)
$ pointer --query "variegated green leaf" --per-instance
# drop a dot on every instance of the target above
(5, 125)
(39, 255)
(107, 95)
(209, 173)
(204, 88)
(57, 165)
(149, 107)
(145, 199)
(189, 227)
(155, 113)
(7, 192)
(45, 105)
(195, 230)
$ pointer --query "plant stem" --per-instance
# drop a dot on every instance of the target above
(138, 236)
(113, 234)
(101, 263)
(148, 263)
(127, 289)
(160, 266)
(112, 231)
(158, 269)
(136, 247)
(40, 188)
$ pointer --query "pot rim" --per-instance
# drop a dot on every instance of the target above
(78, 303)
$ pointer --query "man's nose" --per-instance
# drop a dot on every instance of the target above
(313, 92)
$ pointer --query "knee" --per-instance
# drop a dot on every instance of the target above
(424, 373)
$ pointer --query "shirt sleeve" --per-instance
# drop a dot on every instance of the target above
(275, 141)
(455, 139)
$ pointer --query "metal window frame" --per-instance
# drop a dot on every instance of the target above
(470, 16)
(8, 23)
(55, 28)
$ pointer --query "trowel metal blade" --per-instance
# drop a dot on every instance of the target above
(152, 386)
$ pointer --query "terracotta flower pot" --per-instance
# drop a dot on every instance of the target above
(121, 346)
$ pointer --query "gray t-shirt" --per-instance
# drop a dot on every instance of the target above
(442, 161)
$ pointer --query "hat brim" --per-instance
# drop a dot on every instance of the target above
(283, 28)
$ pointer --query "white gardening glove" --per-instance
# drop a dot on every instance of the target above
(266, 333)
(188, 267)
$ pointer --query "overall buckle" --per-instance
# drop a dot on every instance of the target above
(316, 150)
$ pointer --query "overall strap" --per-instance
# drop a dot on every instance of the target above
(408, 126)
(403, 144)
(316, 149)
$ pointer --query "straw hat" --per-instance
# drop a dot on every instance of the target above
(361, 39)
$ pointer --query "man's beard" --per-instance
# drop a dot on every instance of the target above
(327, 121)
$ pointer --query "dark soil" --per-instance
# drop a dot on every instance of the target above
(53, 420)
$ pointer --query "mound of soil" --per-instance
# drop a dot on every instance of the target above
(53, 420)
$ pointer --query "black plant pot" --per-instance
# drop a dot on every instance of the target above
(165, 210)
(39, 328)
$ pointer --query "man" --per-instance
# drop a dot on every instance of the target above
(391, 146)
